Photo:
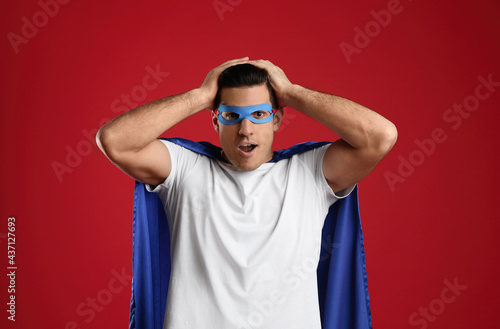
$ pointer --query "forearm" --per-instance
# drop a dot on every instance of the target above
(135, 129)
(357, 125)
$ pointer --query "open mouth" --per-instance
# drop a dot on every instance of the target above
(247, 147)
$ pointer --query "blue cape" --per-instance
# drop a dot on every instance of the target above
(342, 282)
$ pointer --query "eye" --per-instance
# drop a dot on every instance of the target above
(230, 116)
(260, 114)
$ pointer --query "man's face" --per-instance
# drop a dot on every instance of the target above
(247, 145)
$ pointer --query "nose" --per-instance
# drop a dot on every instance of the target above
(246, 127)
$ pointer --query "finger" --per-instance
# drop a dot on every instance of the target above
(234, 61)
(219, 69)
(258, 62)
(262, 61)
(263, 64)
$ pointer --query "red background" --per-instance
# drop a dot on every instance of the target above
(438, 222)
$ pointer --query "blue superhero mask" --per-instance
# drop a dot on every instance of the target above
(230, 114)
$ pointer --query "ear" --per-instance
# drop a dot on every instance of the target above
(278, 118)
(215, 121)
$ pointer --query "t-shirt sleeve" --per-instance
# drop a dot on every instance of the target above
(182, 160)
(316, 161)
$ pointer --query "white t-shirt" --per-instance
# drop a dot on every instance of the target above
(245, 245)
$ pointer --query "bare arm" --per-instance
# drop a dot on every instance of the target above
(366, 137)
(130, 140)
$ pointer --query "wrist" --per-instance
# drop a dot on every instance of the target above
(204, 98)
(290, 95)
(201, 99)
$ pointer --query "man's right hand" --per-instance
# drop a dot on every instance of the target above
(210, 86)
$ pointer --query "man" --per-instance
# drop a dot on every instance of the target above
(246, 228)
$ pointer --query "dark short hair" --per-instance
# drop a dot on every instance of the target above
(244, 75)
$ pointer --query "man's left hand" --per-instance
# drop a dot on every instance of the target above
(279, 82)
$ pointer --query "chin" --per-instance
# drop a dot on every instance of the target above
(241, 163)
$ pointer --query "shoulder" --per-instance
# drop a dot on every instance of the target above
(304, 160)
(300, 149)
(201, 148)
(307, 162)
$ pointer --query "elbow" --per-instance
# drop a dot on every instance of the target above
(100, 139)
(387, 139)
(103, 140)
